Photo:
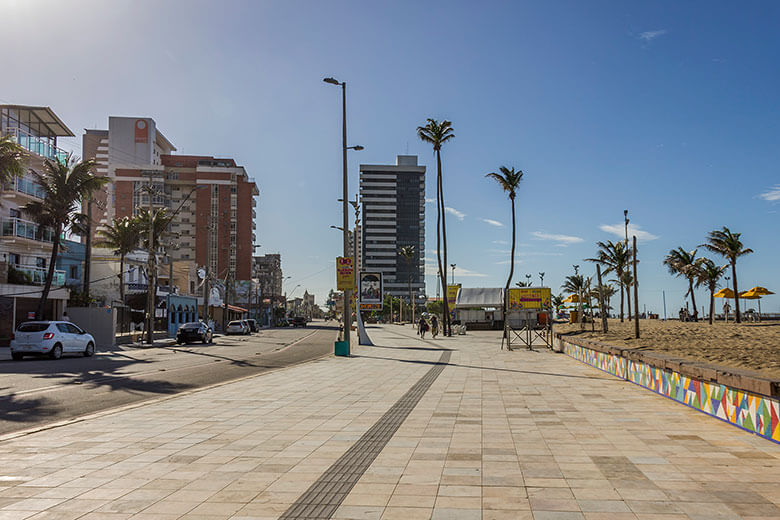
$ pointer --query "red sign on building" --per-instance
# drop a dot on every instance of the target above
(141, 131)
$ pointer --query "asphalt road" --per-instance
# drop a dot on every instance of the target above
(34, 392)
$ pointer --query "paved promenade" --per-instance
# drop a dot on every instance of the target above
(447, 429)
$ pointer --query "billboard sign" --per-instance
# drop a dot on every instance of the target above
(529, 298)
(141, 131)
(345, 273)
(242, 292)
(371, 291)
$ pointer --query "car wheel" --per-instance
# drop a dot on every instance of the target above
(16, 356)
(56, 351)
(90, 350)
(206, 338)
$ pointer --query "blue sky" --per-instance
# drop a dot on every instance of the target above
(667, 109)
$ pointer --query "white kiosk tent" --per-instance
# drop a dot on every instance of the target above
(480, 307)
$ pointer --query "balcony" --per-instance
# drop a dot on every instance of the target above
(38, 145)
(37, 275)
(25, 187)
(16, 227)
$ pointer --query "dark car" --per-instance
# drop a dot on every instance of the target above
(252, 325)
(299, 321)
(195, 331)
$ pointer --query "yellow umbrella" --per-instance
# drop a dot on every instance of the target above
(751, 295)
(762, 291)
(572, 299)
(724, 293)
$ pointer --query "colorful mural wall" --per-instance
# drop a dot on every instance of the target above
(754, 413)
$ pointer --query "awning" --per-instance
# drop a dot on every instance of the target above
(236, 309)
(480, 297)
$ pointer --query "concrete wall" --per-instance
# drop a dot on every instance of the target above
(98, 321)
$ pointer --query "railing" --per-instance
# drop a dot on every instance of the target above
(37, 145)
(26, 186)
(16, 227)
(37, 275)
(131, 286)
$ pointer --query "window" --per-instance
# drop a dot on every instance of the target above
(74, 271)
(63, 327)
(15, 213)
(40, 262)
(13, 259)
(73, 329)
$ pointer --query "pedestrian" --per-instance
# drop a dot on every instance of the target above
(65, 316)
(421, 327)
(434, 327)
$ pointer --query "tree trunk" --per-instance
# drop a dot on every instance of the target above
(628, 300)
(122, 278)
(693, 300)
(50, 275)
(622, 297)
(736, 291)
(712, 302)
(439, 211)
(509, 280)
(446, 321)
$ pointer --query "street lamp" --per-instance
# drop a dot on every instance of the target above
(528, 280)
(541, 279)
(453, 273)
(625, 218)
(345, 223)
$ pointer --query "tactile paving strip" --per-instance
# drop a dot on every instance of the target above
(322, 499)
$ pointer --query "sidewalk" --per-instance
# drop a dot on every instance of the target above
(389, 433)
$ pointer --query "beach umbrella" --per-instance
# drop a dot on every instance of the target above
(724, 293)
(572, 299)
(751, 295)
(760, 290)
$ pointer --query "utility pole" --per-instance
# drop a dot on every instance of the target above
(88, 252)
(580, 317)
(151, 268)
(206, 278)
(604, 326)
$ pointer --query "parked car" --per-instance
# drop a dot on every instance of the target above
(237, 327)
(253, 325)
(299, 321)
(195, 331)
(248, 327)
(51, 338)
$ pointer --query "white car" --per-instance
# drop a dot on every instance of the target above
(51, 338)
(237, 327)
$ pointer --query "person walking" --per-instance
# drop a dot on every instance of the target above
(434, 327)
(422, 327)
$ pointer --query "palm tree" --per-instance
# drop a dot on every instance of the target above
(64, 183)
(122, 236)
(523, 284)
(509, 180)
(438, 133)
(708, 274)
(12, 159)
(574, 284)
(607, 291)
(627, 281)
(407, 252)
(557, 301)
(683, 263)
(728, 245)
(615, 256)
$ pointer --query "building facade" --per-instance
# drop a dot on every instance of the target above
(393, 199)
(267, 269)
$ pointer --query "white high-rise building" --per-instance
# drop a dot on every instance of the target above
(393, 199)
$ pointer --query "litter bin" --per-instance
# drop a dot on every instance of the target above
(574, 317)
(341, 348)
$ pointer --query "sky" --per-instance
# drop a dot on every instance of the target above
(668, 109)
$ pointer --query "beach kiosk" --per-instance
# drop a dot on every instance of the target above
(529, 315)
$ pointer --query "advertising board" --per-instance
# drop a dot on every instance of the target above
(371, 291)
(345, 273)
(529, 298)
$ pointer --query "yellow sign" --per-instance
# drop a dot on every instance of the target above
(452, 295)
(525, 298)
(345, 273)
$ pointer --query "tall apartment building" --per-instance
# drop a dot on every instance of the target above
(215, 197)
(268, 270)
(25, 247)
(393, 198)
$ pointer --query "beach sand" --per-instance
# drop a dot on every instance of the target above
(750, 346)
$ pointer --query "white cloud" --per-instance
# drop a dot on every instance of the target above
(502, 242)
(433, 270)
(452, 211)
(651, 35)
(633, 229)
(430, 201)
(563, 240)
(772, 195)
(492, 222)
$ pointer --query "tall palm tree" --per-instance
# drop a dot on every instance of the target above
(64, 183)
(12, 159)
(509, 180)
(616, 257)
(627, 281)
(683, 263)
(122, 236)
(574, 284)
(407, 253)
(708, 274)
(437, 133)
(728, 245)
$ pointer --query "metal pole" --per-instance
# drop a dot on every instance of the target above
(663, 294)
(636, 296)
(150, 289)
(206, 288)
(88, 252)
(345, 222)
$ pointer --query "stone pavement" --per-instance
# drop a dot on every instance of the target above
(401, 430)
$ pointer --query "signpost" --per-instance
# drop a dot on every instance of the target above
(371, 291)
(345, 273)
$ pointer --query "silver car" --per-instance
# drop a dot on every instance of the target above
(51, 338)
(237, 327)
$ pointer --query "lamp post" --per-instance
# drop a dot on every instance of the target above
(453, 273)
(345, 223)
(528, 280)
(541, 279)
(579, 296)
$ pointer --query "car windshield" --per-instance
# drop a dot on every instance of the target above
(234, 324)
(33, 327)
(190, 325)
